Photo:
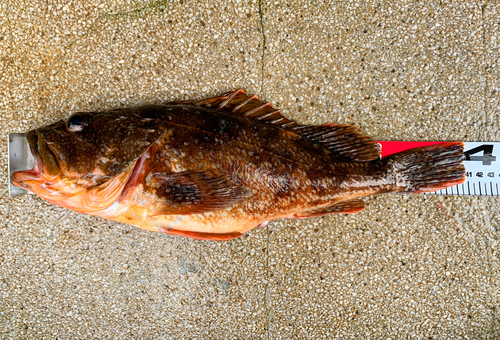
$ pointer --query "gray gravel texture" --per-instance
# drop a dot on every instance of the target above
(408, 266)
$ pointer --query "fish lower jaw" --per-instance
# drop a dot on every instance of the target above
(34, 174)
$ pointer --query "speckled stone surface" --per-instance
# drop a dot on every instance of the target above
(408, 266)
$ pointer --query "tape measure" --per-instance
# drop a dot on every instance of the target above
(482, 163)
(482, 167)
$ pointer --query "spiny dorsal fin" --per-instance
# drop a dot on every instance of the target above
(344, 140)
(239, 103)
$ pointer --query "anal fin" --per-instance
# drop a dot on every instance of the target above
(197, 235)
(343, 207)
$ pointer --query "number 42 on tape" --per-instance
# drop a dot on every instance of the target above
(482, 167)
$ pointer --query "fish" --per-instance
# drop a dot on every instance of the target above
(216, 168)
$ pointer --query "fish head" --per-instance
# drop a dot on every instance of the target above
(83, 162)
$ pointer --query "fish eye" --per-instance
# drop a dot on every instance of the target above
(77, 122)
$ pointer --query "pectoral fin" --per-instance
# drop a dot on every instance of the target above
(192, 192)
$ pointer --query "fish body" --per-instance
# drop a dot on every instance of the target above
(217, 168)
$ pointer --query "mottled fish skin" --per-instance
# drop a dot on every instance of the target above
(215, 169)
(268, 166)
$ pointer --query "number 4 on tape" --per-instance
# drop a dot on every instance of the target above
(482, 167)
(487, 156)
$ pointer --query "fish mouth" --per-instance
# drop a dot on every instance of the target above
(46, 166)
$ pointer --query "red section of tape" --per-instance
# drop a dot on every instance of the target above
(390, 148)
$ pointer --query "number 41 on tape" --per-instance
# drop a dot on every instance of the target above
(482, 167)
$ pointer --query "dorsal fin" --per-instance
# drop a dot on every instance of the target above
(346, 141)
(239, 103)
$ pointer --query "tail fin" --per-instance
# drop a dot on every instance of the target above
(429, 168)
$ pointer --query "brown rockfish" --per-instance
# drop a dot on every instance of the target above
(216, 168)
